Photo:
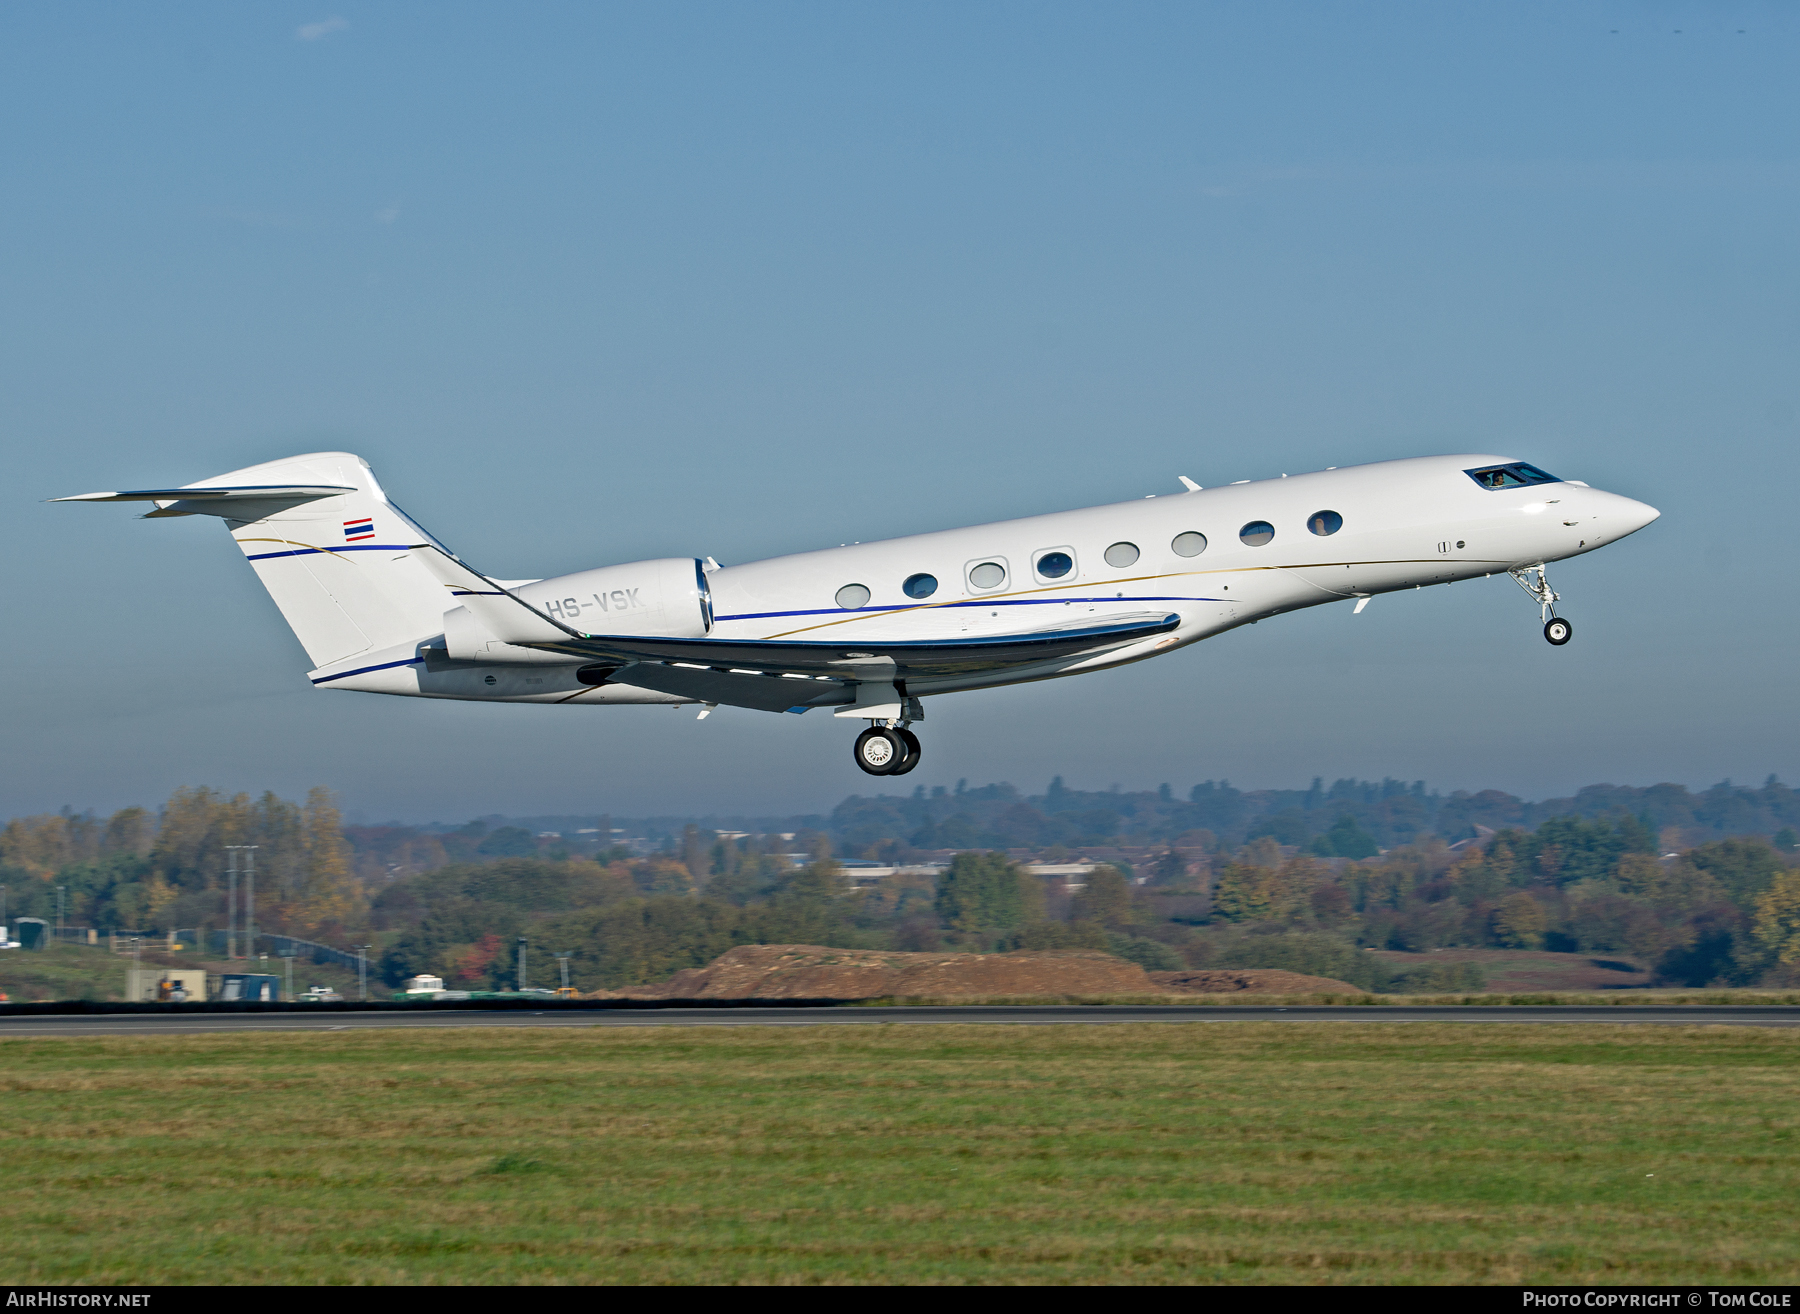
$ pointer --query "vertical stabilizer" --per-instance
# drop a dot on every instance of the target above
(333, 552)
(340, 568)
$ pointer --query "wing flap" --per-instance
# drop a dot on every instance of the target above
(762, 693)
(860, 662)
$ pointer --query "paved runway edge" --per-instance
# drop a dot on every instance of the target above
(745, 1013)
(85, 1007)
(1369, 1005)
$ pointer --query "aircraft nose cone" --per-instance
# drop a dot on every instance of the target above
(1619, 516)
(1637, 514)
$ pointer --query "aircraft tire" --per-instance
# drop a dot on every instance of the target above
(914, 751)
(879, 751)
(1558, 631)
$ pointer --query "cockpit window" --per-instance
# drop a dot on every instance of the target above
(1518, 475)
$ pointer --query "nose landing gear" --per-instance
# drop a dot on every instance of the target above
(887, 750)
(1537, 584)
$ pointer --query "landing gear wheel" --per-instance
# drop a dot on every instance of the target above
(1558, 631)
(913, 751)
(880, 751)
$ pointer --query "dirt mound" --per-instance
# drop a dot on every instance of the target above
(810, 971)
(1256, 981)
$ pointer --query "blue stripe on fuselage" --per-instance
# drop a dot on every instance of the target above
(364, 670)
(972, 602)
(348, 547)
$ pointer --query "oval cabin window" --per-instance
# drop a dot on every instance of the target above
(919, 586)
(1257, 533)
(988, 575)
(852, 597)
(1324, 523)
(1054, 565)
(1121, 555)
(1189, 544)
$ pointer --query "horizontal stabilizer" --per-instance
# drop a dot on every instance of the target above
(196, 494)
(246, 502)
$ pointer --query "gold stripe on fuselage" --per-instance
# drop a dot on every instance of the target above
(1133, 579)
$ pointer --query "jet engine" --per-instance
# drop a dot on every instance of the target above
(666, 598)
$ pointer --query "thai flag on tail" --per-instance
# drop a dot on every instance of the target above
(355, 530)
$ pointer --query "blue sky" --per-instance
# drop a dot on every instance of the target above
(589, 282)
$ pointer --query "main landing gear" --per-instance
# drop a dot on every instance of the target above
(883, 750)
(1533, 580)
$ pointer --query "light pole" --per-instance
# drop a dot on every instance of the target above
(562, 962)
(59, 910)
(231, 904)
(250, 901)
(288, 959)
(362, 971)
(521, 985)
(249, 873)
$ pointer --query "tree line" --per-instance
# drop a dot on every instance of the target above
(141, 871)
(1390, 813)
(1722, 911)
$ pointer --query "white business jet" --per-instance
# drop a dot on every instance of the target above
(869, 630)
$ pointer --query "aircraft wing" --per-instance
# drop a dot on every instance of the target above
(761, 693)
(849, 659)
(773, 675)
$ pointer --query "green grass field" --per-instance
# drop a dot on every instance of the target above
(1234, 1152)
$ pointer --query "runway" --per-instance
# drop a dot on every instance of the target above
(163, 1024)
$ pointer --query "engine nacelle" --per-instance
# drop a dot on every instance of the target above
(667, 598)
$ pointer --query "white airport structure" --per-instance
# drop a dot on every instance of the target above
(870, 630)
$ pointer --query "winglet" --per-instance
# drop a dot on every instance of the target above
(1189, 484)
